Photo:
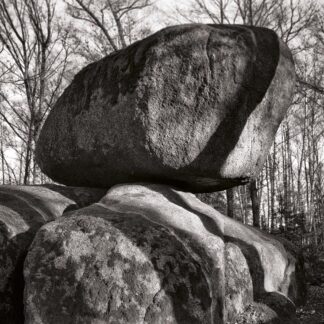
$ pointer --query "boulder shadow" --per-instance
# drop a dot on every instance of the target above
(11, 294)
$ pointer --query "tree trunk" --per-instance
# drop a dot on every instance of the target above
(230, 202)
(272, 173)
(255, 203)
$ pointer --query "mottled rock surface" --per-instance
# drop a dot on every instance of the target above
(238, 282)
(196, 106)
(23, 210)
(151, 254)
(107, 269)
(299, 291)
(261, 313)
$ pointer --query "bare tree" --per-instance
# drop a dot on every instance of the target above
(35, 57)
(230, 202)
(115, 23)
(215, 10)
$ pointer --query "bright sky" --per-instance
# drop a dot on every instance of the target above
(161, 12)
(161, 17)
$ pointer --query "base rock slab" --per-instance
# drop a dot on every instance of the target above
(151, 254)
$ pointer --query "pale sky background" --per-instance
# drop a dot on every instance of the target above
(169, 5)
(162, 12)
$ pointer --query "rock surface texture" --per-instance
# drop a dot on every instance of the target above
(23, 210)
(195, 106)
(151, 254)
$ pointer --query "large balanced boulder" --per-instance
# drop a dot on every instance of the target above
(196, 106)
(23, 210)
(151, 254)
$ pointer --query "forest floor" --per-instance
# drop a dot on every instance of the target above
(313, 311)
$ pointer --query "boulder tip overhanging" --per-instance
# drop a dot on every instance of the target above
(195, 106)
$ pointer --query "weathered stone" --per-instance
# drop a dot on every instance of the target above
(23, 210)
(110, 269)
(284, 307)
(272, 308)
(259, 313)
(298, 292)
(196, 106)
(238, 282)
(215, 199)
(151, 254)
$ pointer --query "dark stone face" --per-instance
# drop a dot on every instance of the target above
(195, 106)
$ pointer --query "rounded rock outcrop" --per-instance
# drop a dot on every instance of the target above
(149, 254)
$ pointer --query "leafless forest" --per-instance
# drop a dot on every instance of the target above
(43, 43)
